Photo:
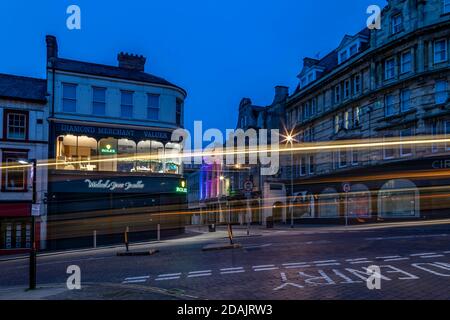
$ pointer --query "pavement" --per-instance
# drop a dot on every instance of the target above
(278, 264)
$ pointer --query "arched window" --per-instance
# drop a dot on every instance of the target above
(398, 198)
(126, 152)
(358, 201)
(173, 158)
(303, 205)
(329, 203)
(107, 150)
(76, 153)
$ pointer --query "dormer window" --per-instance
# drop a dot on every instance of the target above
(396, 23)
(343, 56)
(308, 78)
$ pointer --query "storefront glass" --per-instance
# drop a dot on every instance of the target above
(117, 155)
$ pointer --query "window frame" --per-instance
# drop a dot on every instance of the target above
(337, 94)
(153, 108)
(445, 50)
(386, 105)
(18, 154)
(402, 62)
(386, 68)
(403, 100)
(357, 84)
(64, 98)
(436, 92)
(342, 152)
(122, 105)
(98, 102)
(6, 113)
(385, 157)
(401, 144)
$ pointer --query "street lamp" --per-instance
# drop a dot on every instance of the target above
(290, 139)
(32, 268)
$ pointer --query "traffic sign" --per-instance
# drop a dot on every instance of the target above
(36, 210)
(346, 187)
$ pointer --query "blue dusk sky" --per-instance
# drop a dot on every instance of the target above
(219, 51)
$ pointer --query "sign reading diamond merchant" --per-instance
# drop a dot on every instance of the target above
(105, 132)
(113, 185)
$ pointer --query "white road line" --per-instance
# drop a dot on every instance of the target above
(357, 259)
(166, 278)
(266, 269)
(422, 254)
(229, 269)
(396, 259)
(293, 264)
(137, 278)
(135, 281)
(263, 266)
(298, 266)
(432, 256)
(358, 262)
(388, 257)
(233, 271)
(446, 251)
(199, 275)
(328, 264)
(169, 275)
(324, 261)
(204, 271)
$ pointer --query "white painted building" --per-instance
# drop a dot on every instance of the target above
(23, 137)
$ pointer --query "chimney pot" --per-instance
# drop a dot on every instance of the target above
(132, 62)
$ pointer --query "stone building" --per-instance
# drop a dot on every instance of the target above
(386, 85)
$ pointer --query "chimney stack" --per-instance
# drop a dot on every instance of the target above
(52, 47)
(281, 93)
(131, 62)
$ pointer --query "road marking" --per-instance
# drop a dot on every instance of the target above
(293, 263)
(357, 259)
(197, 275)
(137, 278)
(446, 251)
(169, 275)
(229, 269)
(234, 271)
(204, 271)
(359, 262)
(432, 256)
(298, 266)
(264, 266)
(166, 278)
(324, 261)
(396, 259)
(265, 269)
(328, 264)
(134, 281)
(407, 237)
(388, 257)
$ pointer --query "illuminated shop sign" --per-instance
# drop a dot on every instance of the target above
(63, 128)
(108, 150)
(113, 185)
(182, 188)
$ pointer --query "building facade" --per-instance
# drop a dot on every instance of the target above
(23, 137)
(384, 85)
(114, 162)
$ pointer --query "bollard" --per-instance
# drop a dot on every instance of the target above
(95, 238)
(126, 238)
(158, 231)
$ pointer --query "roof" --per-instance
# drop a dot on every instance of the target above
(110, 71)
(23, 88)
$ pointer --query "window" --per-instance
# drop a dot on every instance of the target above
(152, 106)
(337, 123)
(69, 97)
(405, 149)
(356, 116)
(441, 91)
(346, 120)
(342, 158)
(388, 151)
(406, 62)
(126, 104)
(353, 50)
(313, 106)
(389, 69)
(355, 156)
(99, 101)
(312, 167)
(405, 100)
(178, 112)
(303, 166)
(446, 4)
(396, 23)
(15, 178)
(343, 56)
(389, 105)
(337, 94)
(357, 84)
(346, 89)
(447, 133)
(440, 51)
(16, 124)
(299, 114)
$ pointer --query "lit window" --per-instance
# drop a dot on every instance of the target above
(397, 22)
(389, 105)
(15, 177)
(346, 119)
(389, 69)
(440, 51)
(152, 107)
(126, 105)
(405, 100)
(405, 149)
(406, 62)
(69, 97)
(441, 91)
(99, 101)
(16, 122)
(337, 124)
(356, 116)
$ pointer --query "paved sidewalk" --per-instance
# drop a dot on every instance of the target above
(102, 291)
